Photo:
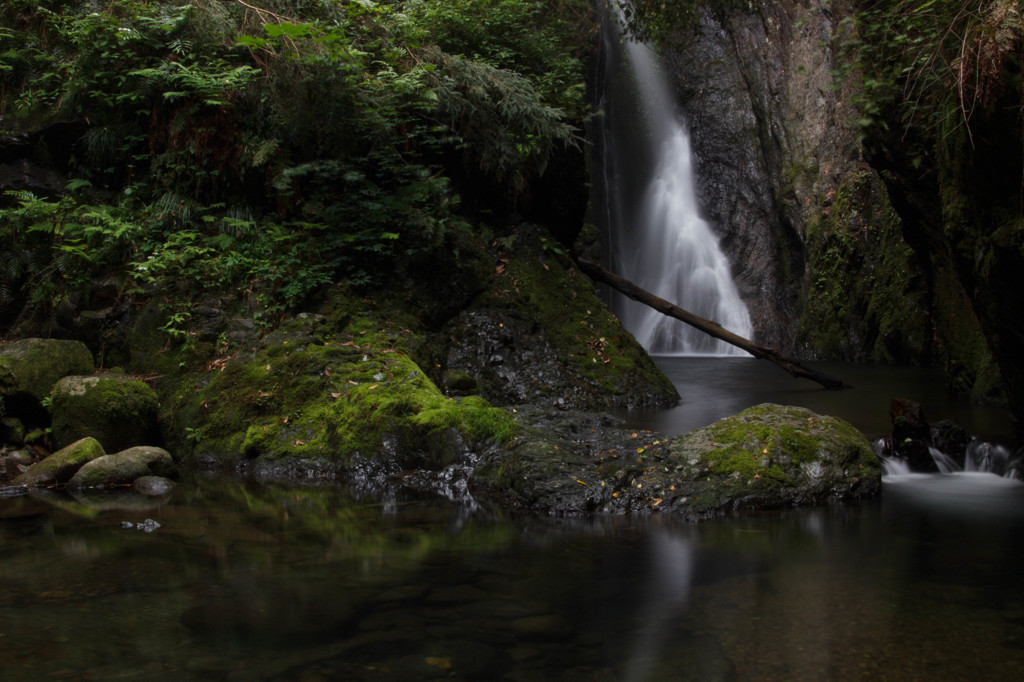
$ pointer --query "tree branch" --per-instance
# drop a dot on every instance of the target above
(714, 329)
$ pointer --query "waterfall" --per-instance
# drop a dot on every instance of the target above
(658, 238)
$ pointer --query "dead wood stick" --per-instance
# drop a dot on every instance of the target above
(714, 329)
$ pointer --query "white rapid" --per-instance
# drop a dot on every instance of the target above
(659, 239)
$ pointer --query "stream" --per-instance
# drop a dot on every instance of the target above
(237, 580)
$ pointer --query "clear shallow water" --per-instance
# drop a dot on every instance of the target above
(246, 582)
(716, 387)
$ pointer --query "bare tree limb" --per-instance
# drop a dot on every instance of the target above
(794, 368)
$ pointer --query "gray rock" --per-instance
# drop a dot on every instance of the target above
(124, 467)
(768, 456)
(153, 485)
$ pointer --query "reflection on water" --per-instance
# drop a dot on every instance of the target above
(712, 388)
(241, 582)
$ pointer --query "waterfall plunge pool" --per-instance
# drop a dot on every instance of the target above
(239, 581)
(234, 580)
(715, 387)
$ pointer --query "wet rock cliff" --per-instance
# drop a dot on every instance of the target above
(828, 250)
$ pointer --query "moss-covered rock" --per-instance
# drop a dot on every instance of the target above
(118, 410)
(538, 334)
(865, 298)
(31, 367)
(61, 465)
(768, 456)
(124, 467)
(331, 397)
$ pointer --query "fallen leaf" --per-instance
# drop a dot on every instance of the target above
(327, 372)
(439, 663)
(298, 442)
(335, 395)
(373, 387)
(656, 502)
(581, 482)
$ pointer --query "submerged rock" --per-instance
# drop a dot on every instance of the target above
(118, 410)
(768, 456)
(153, 486)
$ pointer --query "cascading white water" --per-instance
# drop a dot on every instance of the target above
(660, 241)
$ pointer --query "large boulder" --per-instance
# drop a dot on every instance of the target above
(30, 367)
(769, 456)
(61, 465)
(342, 400)
(118, 410)
(124, 467)
(539, 335)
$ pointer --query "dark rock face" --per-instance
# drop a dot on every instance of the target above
(540, 335)
(911, 435)
(816, 251)
(768, 456)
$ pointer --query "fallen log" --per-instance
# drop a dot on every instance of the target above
(794, 368)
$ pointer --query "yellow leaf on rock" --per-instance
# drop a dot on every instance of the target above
(439, 663)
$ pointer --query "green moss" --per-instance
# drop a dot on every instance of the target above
(863, 298)
(543, 285)
(747, 464)
(345, 396)
(763, 439)
(61, 465)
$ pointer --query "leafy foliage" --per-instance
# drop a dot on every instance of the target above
(270, 147)
(926, 61)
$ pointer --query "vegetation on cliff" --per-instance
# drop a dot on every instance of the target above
(943, 112)
(267, 150)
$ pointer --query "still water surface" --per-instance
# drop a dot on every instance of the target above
(240, 581)
(248, 582)
(714, 387)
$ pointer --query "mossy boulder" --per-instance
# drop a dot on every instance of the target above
(538, 334)
(118, 410)
(30, 367)
(124, 467)
(768, 456)
(346, 399)
(61, 465)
